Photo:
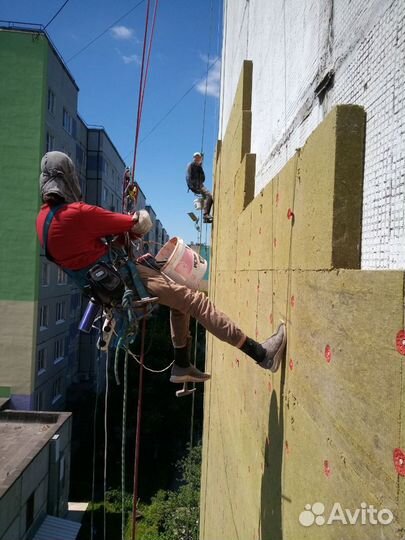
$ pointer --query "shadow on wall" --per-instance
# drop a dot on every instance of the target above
(270, 509)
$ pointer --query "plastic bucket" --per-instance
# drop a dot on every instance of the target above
(199, 203)
(183, 265)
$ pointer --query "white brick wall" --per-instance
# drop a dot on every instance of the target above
(293, 43)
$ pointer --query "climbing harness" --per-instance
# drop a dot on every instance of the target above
(113, 285)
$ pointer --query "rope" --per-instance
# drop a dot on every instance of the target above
(195, 346)
(56, 14)
(138, 432)
(104, 32)
(144, 76)
(105, 444)
(206, 77)
(123, 443)
(128, 351)
(138, 116)
(93, 482)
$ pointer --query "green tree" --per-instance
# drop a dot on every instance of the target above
(174, 515)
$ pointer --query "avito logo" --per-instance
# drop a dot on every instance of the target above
(366, 514)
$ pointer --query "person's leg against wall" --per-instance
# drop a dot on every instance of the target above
(185, 301)
(208, 200)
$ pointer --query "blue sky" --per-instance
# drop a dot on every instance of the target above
(107, 74)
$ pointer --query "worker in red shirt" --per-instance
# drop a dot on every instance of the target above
(74, 242)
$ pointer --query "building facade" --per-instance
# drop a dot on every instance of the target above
(309, 56)
(42, 352)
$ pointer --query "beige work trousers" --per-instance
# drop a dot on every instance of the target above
(183, 303)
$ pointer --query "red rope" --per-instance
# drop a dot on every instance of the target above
(138, 429)
(141, 81)
(146, 52)
(152, 33)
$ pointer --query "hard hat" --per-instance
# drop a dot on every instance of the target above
(197, 154)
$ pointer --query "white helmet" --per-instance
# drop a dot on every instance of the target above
(197, 154)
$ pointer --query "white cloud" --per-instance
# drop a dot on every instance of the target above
(131, 58)
(211, 84)
(122, 32)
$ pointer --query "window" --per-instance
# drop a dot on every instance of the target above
(41, 363)
(39, 401)
(62, 277)
(105, 195)
(51, 101)
(59, 350)
(29, 516)
(57, 389)
(50, 142)
(60, 311)
(105, 164)
(46, 272)
(67, 122)
(43, 317)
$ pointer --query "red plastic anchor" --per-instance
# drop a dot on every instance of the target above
(292, 301)
(399, 461)
(291, 364)
(326, 468)
(290, 214)
(401, 342)
(271, 318)
(328, 353)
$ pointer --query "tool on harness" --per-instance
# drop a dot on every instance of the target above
(106, 283)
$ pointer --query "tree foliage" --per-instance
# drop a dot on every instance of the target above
(174, 515)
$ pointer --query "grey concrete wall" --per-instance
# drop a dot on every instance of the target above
(34, 478)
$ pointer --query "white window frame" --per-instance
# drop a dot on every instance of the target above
(60, 315)
(56, 390)
(41, 364)
(45, 274)
(67, 121)
(51, 101)
(43, 317)
(50, 142)
(62, 277)
(59, 350)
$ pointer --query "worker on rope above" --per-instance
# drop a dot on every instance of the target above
(74, 242)
(195, 181)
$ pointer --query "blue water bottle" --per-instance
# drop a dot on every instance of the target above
(89, 316)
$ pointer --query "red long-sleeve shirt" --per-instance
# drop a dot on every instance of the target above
(75, 232)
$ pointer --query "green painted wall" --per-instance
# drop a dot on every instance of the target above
(23, 92)
(23, 95)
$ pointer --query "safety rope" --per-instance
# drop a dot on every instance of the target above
(123, 443)
(105, 444)
(146, 51)
(93, 479)
(138, 431)
(206, 76)
(192, 413)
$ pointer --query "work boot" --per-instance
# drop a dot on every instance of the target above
(268, 354)
(274, 347)
(188, 374)
(207, 218)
